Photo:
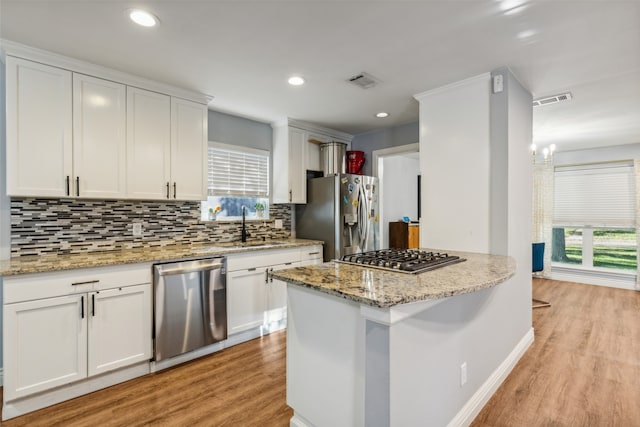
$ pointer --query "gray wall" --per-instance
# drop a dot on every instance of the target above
(384, 138)
(235, 130)
(594, 155)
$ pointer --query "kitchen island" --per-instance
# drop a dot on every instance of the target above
(368, 347)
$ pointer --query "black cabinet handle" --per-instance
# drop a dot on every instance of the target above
(290, 195)
(67, 185)
(93, 305)
(82, 306)
(168, 193)
(271, 276)
(175, 191)
(77, 186)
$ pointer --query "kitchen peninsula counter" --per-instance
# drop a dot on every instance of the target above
(370, 347)
(49, 263)
(382, 288)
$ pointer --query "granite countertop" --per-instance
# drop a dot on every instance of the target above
(41, 264)
(385, 289)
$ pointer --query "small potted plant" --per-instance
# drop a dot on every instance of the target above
(213, 212)
(260, 207)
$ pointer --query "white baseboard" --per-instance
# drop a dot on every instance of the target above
(298, 421)
(610, 279)
(480, 398)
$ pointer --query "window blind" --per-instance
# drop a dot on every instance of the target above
(237, 172)
(594, 195)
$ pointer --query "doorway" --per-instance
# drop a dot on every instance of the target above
(397, 169)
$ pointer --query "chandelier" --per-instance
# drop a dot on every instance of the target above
(547, 154)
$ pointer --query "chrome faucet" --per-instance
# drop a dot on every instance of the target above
(245, 233)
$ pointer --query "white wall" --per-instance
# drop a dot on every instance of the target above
(399, 191)
(454, 160)
(476, 174)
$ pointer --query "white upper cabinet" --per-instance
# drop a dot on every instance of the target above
(289, 166)
(99, 141)
(148, 144)
(74, 135)
(296, 149)
(39, 129)
(188, 150)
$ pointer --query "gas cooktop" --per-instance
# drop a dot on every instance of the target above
(412, 261)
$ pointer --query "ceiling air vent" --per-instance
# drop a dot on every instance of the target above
(552, 99)
(364, 80)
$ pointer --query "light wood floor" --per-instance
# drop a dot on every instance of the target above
(583, 369)
(243, 385)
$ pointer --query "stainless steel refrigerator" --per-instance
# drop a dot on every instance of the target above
(341, 210)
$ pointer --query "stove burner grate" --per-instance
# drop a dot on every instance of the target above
(412, 261)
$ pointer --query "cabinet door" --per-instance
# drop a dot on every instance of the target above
(277, 296)
(39, 129)
(148, 144)
(119, 327)
(99, 144)
(297, 166)
(188, 150)
(246, 299)
(45, 344)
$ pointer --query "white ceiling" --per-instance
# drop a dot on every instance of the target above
(242, 53)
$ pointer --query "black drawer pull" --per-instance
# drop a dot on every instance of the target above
(82, 306)
(88, 282)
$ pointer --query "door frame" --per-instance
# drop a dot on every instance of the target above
(378, 171)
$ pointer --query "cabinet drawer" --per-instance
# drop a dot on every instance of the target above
(311, 252)
(254, 259)
(45, 285)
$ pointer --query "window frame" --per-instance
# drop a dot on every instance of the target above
(210, 193)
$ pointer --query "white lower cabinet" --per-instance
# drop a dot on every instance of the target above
(254, 298)
(56, 340)
(277, 295)
(246, 299)
(119, 328)
(45, 344)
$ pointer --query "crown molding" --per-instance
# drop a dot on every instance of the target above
(11, 48)
(309, 127)
(471, 80)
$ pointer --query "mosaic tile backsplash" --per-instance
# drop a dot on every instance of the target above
(66, 226)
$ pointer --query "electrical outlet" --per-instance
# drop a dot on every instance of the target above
(277, 223)
(463, 374)
(137, 230)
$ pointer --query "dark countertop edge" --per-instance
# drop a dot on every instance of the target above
(104, 259)
(373, 303)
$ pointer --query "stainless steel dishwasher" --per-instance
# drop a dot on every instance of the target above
(190, 305)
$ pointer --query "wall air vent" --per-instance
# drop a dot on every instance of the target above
(364, 80)
(552, 99)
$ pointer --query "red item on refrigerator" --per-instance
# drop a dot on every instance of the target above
(355, 162)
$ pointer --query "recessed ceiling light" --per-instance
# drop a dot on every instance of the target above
(143, 18)
(296, 80)
(526, 34)
(382, 115)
